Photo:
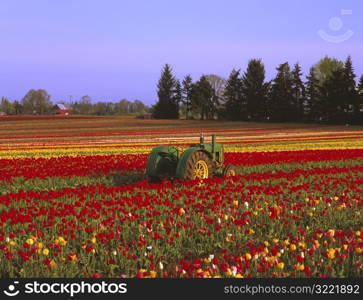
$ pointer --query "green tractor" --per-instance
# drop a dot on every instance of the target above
(199, 161)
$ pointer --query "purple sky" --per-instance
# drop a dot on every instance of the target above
(115, 49)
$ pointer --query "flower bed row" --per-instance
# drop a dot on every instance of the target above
(69, 166)
(303, 223)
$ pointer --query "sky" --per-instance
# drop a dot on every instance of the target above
(115, 49)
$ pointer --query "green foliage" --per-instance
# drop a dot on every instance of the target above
(298, 93)
(333, 94)
(313, 97)
(360, 85)
(233, 96)
(351, 98)
(18, 108)
(37, 102)
(325, 67)
(83, 106)
(124, 107)
(52, 183)
(167, 107)
(339, 95)
(122, 178)
(186, 94)
(178, 94)
(359, 107)
(254, 91)
(7, 107)
(201, 96)
(281, 96)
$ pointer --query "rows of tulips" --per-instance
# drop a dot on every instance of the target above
(111, 128)
(69, 166)
(109, 148)
(111, 136)
(293, 210)
(183, 141)
(300, 223)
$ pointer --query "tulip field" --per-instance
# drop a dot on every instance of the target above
(75, 202)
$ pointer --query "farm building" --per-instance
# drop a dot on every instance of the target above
(63, 110)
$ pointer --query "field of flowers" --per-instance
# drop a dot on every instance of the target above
(74, 201)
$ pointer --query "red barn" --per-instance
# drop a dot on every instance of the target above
(63, 110)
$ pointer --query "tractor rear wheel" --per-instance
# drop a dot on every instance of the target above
(198, 166)
(229, 170)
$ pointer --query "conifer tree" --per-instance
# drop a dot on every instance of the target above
(166, 107)
(177, 99)
(313, 97)
(298, 93)
(333, 92)
(233, 96)
(201, 98)
(359, 111)
(254, 90)
(350, 101)
(186, 94)
(282, 95)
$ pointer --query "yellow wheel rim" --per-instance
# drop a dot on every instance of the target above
(200, 170)
(231, 172)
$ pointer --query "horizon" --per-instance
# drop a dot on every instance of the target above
(116, 50)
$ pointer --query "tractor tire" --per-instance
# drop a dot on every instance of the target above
(229, 170)
(198, 166)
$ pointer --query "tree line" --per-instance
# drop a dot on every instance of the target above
(123, 107)
(330, 94)
(37, 102)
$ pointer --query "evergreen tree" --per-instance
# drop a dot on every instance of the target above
(233, 96)
(298, 93)
(186, 94)
(17, 107)
(350, 101)
(166, 107)
(178, 97)
(313, 97)
(201, 98)
(333, 92)
(254, 90)
(359, 112)
(360, 85)
(282, 95)
(340, 97)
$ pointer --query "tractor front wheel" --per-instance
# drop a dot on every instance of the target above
(198, 166)
(229, 170)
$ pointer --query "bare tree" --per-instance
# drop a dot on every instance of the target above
(218, 84)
